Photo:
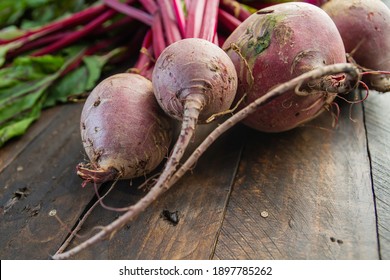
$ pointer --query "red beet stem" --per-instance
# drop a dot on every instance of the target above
(210, 20)
(159, 43)
(195, 18)
(43, 41)
(235, 8)
(69, 22)
(228, 21)
(149, 5)
(180, 18)
(130, 11)
(172, 32)
(144, 62)
(77, 34)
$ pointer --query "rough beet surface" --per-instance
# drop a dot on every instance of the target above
(124, 132)
(277, 44)
(193, 66)
(364, 26)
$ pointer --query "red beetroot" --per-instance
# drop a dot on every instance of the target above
(190, 67)
(364, 26)
(193, 79)
(277, 44)
(124, 132)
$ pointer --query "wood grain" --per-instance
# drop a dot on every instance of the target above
(41, 178)
(303, 194)
(378, 132)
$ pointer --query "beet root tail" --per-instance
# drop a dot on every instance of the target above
(96, 175)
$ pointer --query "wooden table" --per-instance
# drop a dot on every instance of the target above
(311, 193)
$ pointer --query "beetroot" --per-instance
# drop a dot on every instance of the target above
(124, 132)
(193, 79)
(277, 44)
(194, 68)
(364, 26)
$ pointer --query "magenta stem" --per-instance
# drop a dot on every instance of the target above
(149, 5)
(43, 41)
(144, 64)
(74, 20)
(46, 40)
(103, 30)
(77, 34)
(159, 43)
(172, 32)
(129, 11)
(227, 20)
(210, 20)
(195, 18)
(180, 18)
(236, 9)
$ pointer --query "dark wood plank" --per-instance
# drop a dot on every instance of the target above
(15, 146)
(200, 199)
(39, 179)
(378, 133)
(303, 194)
